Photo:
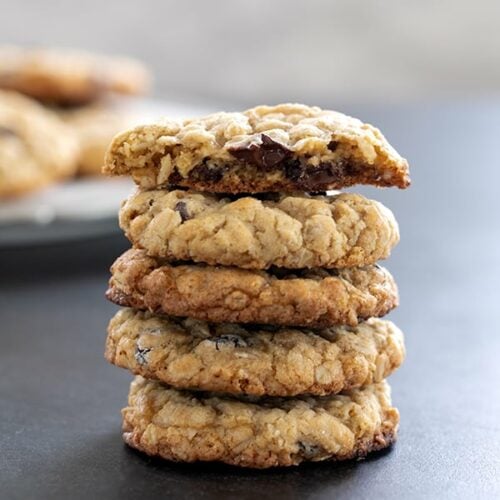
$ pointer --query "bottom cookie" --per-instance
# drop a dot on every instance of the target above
(257, 432)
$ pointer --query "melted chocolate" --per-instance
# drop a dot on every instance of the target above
(268, 155)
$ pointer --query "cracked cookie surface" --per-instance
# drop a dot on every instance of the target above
(253, 360)
(315, 298)
(259, 433)
(69, 77)
(299, 231)
(36, 148)
(283, 148)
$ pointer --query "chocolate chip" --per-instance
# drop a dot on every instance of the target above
(229, 339)
(332, 145)
(7, 132)
(268, 155)
(273, 152)
(212, 174)
(208, 173)
(293, 170)
(181, 207)
(140, 355)
(325, 173)
(309, 451)
(315, 179)
(156, 158)
(174, 178)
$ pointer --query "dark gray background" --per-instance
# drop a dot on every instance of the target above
(60, 401)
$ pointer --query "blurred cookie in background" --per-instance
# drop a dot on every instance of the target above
(95, 126)
(36, 147)
(87, 91)
(65, 77)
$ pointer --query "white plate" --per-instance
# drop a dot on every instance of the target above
(81, 208)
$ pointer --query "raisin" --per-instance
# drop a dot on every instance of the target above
(140, 355)
(235, 340)
(309, 451)
(181, 207)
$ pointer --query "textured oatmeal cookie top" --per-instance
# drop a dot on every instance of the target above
(251, 359)
(299, 231)
(288, 147)
(303, 297)
(267, 432)
(69, 77)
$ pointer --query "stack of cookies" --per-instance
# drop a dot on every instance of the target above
(252, 297)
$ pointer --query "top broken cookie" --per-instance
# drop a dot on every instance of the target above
(289, 147)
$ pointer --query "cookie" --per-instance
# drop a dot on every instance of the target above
(36, 148)
(69, 77)
(95, 126)
(284, 148)
(294, 232)
(260, 433)
(255, 360)
(315, 298)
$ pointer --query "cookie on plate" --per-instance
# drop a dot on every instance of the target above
(259, 433)
(69, 77)
(297, 231)
(95, 126)
(315, 298)
(288, 147)
(253, 360)
(36, 147)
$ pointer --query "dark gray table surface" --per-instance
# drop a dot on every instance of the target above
(60, 402)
